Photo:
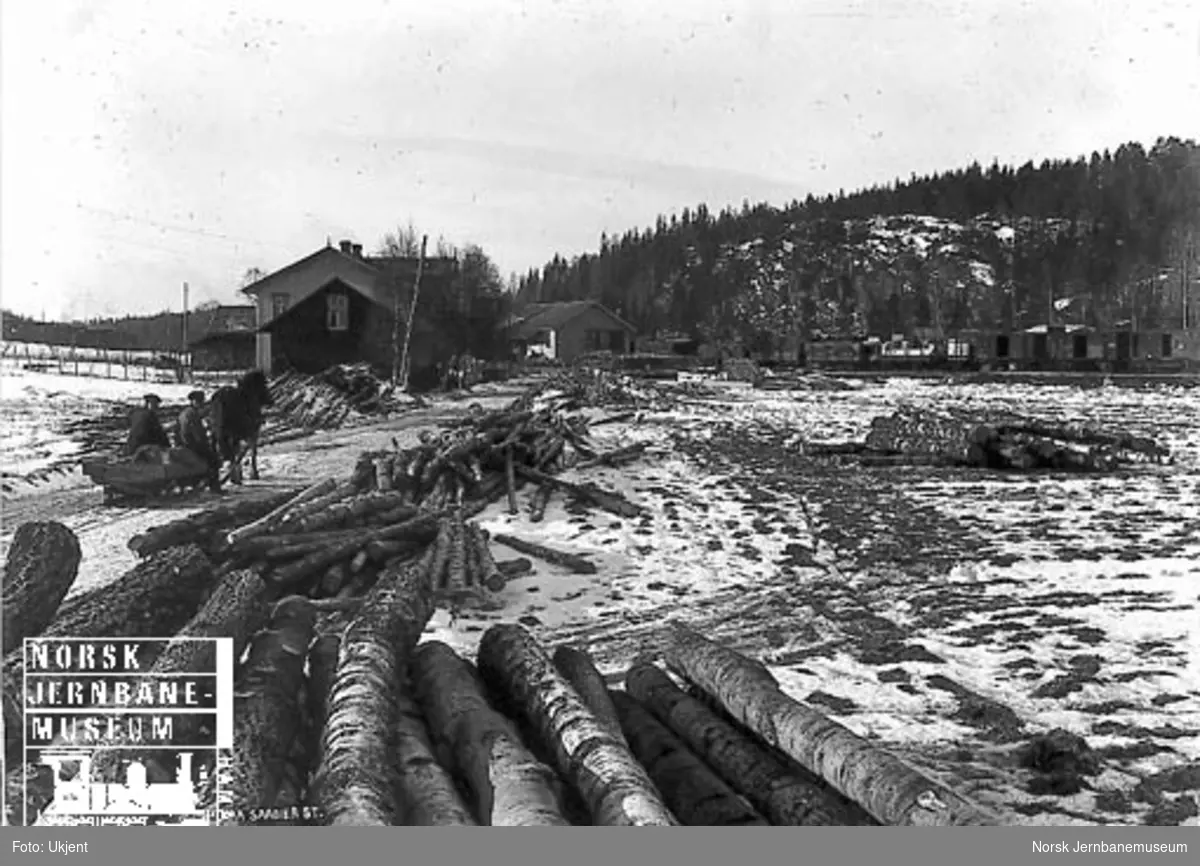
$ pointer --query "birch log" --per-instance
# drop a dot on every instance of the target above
(785, 794)
(615, 786)
(892, 791)
(508, 785)
(697, 795)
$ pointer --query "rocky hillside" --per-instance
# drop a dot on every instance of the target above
(1096, 241)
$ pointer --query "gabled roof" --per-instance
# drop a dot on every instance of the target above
(332, 253)
(534, 318)
(356, 288)
(358, 272)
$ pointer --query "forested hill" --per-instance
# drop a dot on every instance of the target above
(1095, 240)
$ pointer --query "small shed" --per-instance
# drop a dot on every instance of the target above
(565, 330)
(225, 338)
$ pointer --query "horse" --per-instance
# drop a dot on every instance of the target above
(236, 415)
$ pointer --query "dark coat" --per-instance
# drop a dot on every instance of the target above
(191, 433)
(145, 429)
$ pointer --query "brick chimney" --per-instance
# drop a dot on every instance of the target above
(345, 246)
(357, 248)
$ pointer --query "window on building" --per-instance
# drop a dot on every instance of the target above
(279, 304)
(337, 311)
(1002, 346)
(1167, 344)
(1080, 348)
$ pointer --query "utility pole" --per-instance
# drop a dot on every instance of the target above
(184, 332)
(400, 356)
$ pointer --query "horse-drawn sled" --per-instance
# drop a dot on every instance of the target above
(149, 474)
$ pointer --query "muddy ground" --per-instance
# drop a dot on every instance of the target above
(950, 615)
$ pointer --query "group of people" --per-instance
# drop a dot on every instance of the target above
(193, 446)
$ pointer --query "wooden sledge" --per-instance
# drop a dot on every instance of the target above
(152, 476)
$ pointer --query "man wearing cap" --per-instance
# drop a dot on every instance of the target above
(145, 429)
(192, 436)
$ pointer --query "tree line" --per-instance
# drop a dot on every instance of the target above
(1098, 239)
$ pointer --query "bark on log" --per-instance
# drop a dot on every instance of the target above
(490, 575)
(510, 482)
(204, 523)
(787, 795)
(355, 784)
(614, 503)
(694, 793)
(268, 719)
(570, 561)
(273, 517)
(892, 791)
(42, 563)
(322, 666)
(615, 786)
(539, 501)
(509, 787)
(580, 671)
(511, 568)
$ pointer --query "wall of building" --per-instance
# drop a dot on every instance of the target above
(302, 340)
(225, 353)
(572, 338)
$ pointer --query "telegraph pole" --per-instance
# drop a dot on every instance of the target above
(184, 330)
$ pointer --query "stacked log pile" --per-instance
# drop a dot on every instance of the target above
(492, 456)
(913, 436)
(330, 399)
(589, 387)
(343, 716)
(370, 726)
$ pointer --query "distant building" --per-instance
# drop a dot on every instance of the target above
(225, 338)
(337, 306)
(565, 330)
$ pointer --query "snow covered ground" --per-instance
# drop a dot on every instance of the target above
(950, 615)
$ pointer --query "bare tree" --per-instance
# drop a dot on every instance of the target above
(252, 276)
(405, 241)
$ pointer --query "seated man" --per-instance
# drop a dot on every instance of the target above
(194, 443)
(146, 433)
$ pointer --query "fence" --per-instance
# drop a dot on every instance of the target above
(130, 364)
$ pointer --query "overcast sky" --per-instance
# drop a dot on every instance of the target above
(145, 144)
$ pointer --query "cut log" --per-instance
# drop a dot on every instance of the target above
(355, 784)
(693, 792)
(490, 575)
(296, 516)
(456, 567)
(510, 482)
(580, 671)
(892, 791)
(43, 561)
(268, 720)
(273, 517)
(322, 666)
(570, 561)
(509, 787)
(511, 568)
(787, 795)
(615, 786)
(199, 527)
(604, 499)
(539, 501)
